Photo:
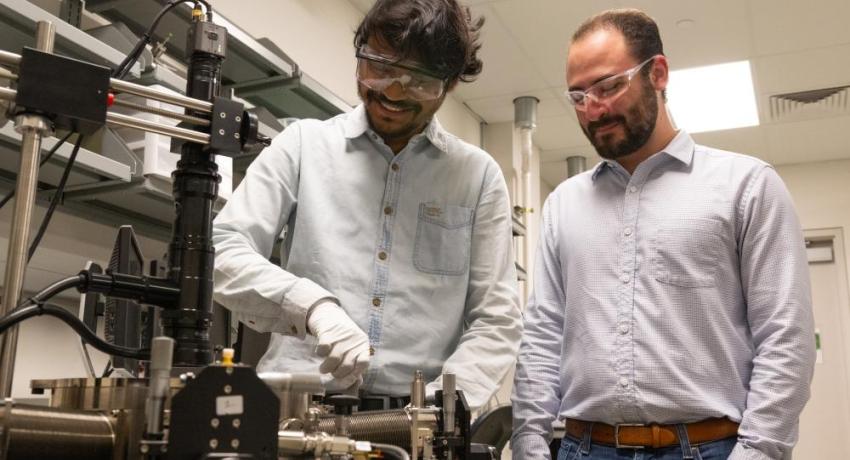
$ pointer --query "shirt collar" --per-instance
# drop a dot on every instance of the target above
(681, 148)
(357, 124)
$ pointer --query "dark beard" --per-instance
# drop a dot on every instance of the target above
(637, 131)
(404, 132)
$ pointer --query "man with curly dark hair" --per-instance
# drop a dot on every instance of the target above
(398, 253)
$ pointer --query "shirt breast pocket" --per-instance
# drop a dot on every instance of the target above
(443, 236)
(686, 252)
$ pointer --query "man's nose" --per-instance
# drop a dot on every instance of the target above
(396, 91)
(594, 109)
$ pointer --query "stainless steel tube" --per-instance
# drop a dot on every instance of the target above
(45, 36)
(5, 73)
(417, 390)
(449, 401)
(160, 380)
(117, 119)
(158, 95)
(575, 165)
(8, 58)
(164, 112)
(32, 129)
(8, 94)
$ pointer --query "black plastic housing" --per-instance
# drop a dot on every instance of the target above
(69, 92)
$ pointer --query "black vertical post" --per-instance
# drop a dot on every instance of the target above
(190, 255)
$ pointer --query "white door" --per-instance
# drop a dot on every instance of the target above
(825, 422)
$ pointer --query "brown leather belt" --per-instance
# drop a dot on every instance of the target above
(637, 436)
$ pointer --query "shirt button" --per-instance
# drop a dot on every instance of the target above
(625, 278)
(376, 302)
(624, 382)
(624, 329)
(627, 231)
(388, 210)
(633, 189)
(395, 167)
(382, 255)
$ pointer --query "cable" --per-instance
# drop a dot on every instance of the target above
(124, 67)
(43, 161)
(396, 452)
(60, 189)
(19, 314)
(55, 288)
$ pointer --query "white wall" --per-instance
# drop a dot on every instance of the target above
(821, 194)
(317, 34)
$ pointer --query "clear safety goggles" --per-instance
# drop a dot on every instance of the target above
(379, 72)
(607, 90)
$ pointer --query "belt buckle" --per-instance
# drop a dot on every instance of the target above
(617, 443)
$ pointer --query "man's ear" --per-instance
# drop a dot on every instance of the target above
(660, 73)
(451, 85)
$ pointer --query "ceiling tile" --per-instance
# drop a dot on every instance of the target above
(799, 71)
(543, 32)
(787, 25)
(507, 69)
(719, 31)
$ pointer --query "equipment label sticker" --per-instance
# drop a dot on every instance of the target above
(228, 405)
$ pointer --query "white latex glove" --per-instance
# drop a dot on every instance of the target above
(342, 343)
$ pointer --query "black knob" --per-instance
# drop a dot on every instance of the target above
(343, 404)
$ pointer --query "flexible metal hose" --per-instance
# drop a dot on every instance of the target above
(43, 433)
(387, 427)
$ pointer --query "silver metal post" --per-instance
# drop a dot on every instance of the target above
(417, 390)
(32, 129)
(7, 94)
(449, 401)
(160, 375)
(117, 119)
(159, 95)
(8, 58)
(575, 165)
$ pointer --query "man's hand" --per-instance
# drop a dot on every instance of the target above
(344, 346)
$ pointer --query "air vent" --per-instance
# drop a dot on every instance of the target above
(832, 100)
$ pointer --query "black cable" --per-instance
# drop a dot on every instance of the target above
(19, 314)
(124, 67)
(60, 189)
(43, 161)
(55, 288)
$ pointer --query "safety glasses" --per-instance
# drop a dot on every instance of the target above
(379, 72)
(607, 90)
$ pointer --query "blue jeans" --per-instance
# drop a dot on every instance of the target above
(572, 449)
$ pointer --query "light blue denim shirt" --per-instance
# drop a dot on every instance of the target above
(675, 294)
(415, 247)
